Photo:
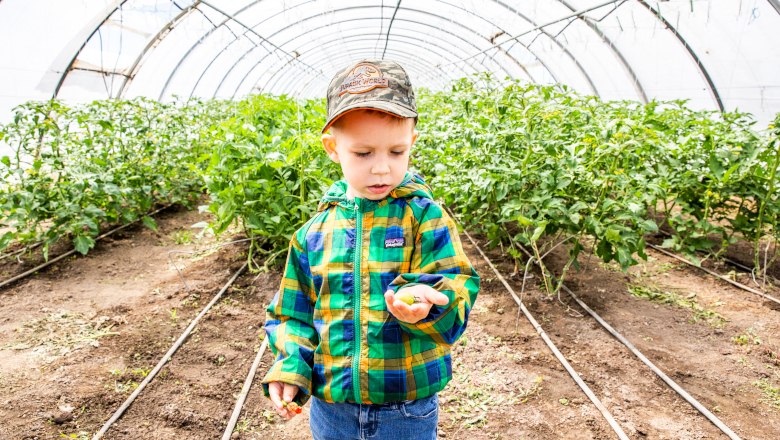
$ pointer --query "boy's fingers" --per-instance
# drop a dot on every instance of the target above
(274, 392)
(436, 297)
(417, 311)
(289, 392)
(390, 301)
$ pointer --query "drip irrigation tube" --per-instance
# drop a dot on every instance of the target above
(727, 260)
(716, 275)
(71, 252)
(244, 392)
(672, 384)
(167, 356)
(20, 251)
(574, 375)
(669, 382)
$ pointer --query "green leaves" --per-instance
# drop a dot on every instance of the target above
(529, 164)
(78, 169)
(267, 170)
(550, 166)
(149, 222)
(5, 240)
(83, 243)
(613, 236)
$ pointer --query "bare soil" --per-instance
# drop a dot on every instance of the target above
(76, 339)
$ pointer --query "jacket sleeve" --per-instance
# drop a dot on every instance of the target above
(439, 261)
(289, 324)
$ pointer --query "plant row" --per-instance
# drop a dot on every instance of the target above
(531, 166)
(538, 166)
(74, 170)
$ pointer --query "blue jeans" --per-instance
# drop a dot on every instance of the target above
(408, 420)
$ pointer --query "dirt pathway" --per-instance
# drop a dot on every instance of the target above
(75, 341)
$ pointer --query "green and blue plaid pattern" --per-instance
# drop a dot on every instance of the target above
(328, 325)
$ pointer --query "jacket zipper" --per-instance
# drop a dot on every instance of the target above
(356, 314)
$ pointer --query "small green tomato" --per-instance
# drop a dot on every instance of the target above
(406, 297)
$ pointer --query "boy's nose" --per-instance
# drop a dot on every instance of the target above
(380, 168)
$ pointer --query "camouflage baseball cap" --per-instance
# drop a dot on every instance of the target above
(371, 83)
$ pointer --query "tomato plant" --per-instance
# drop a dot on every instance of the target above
(77, 169)
(531, 167)
(267, 170)
(540, 166)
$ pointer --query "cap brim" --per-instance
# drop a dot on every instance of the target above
(392, 108)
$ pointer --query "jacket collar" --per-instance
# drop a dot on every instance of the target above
(413, 185)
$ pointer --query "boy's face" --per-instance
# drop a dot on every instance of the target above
(373, 151)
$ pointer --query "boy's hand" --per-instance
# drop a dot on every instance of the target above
(425, 297)
(281, 395)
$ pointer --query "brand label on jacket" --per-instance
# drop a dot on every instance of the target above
(394, 242)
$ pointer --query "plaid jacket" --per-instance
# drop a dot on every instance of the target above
(332, 336)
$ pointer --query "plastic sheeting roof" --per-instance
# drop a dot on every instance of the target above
(719, 54)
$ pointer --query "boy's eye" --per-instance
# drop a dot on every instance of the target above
(360, 154)
(397, 153)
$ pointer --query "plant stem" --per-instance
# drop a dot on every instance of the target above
(770, 192)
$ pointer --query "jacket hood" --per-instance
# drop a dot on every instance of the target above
(413, 185)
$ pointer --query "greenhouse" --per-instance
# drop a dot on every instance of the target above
(253, 219)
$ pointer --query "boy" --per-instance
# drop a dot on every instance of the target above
(377, 286)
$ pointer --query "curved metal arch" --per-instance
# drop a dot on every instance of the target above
(420, 23)
(153, 42)
(234, 19)
(206, 35)
(515, 60)
(197, 42)
(775, 4)
(213, 60)
(691, 52)
(405, 20)
(322, 44)
(402, 57)
(326, 25)
(280, 70)
(330, 12)
(422, 13)
(535, 28)
(230, 70)
(328, 43)
(594, 27)
(98, 22)
(273, 80)
(555, 40)
(618, 54)
(459, 24)
(227, 73)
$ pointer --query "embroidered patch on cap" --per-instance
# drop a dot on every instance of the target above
(394, 242)
(363, 78)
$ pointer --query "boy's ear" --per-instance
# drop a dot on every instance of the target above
(415, 134)
(329, 143)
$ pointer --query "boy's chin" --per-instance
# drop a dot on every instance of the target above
(375, 197)
(368, 194)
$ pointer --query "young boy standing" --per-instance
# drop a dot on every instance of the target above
(377, 287)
